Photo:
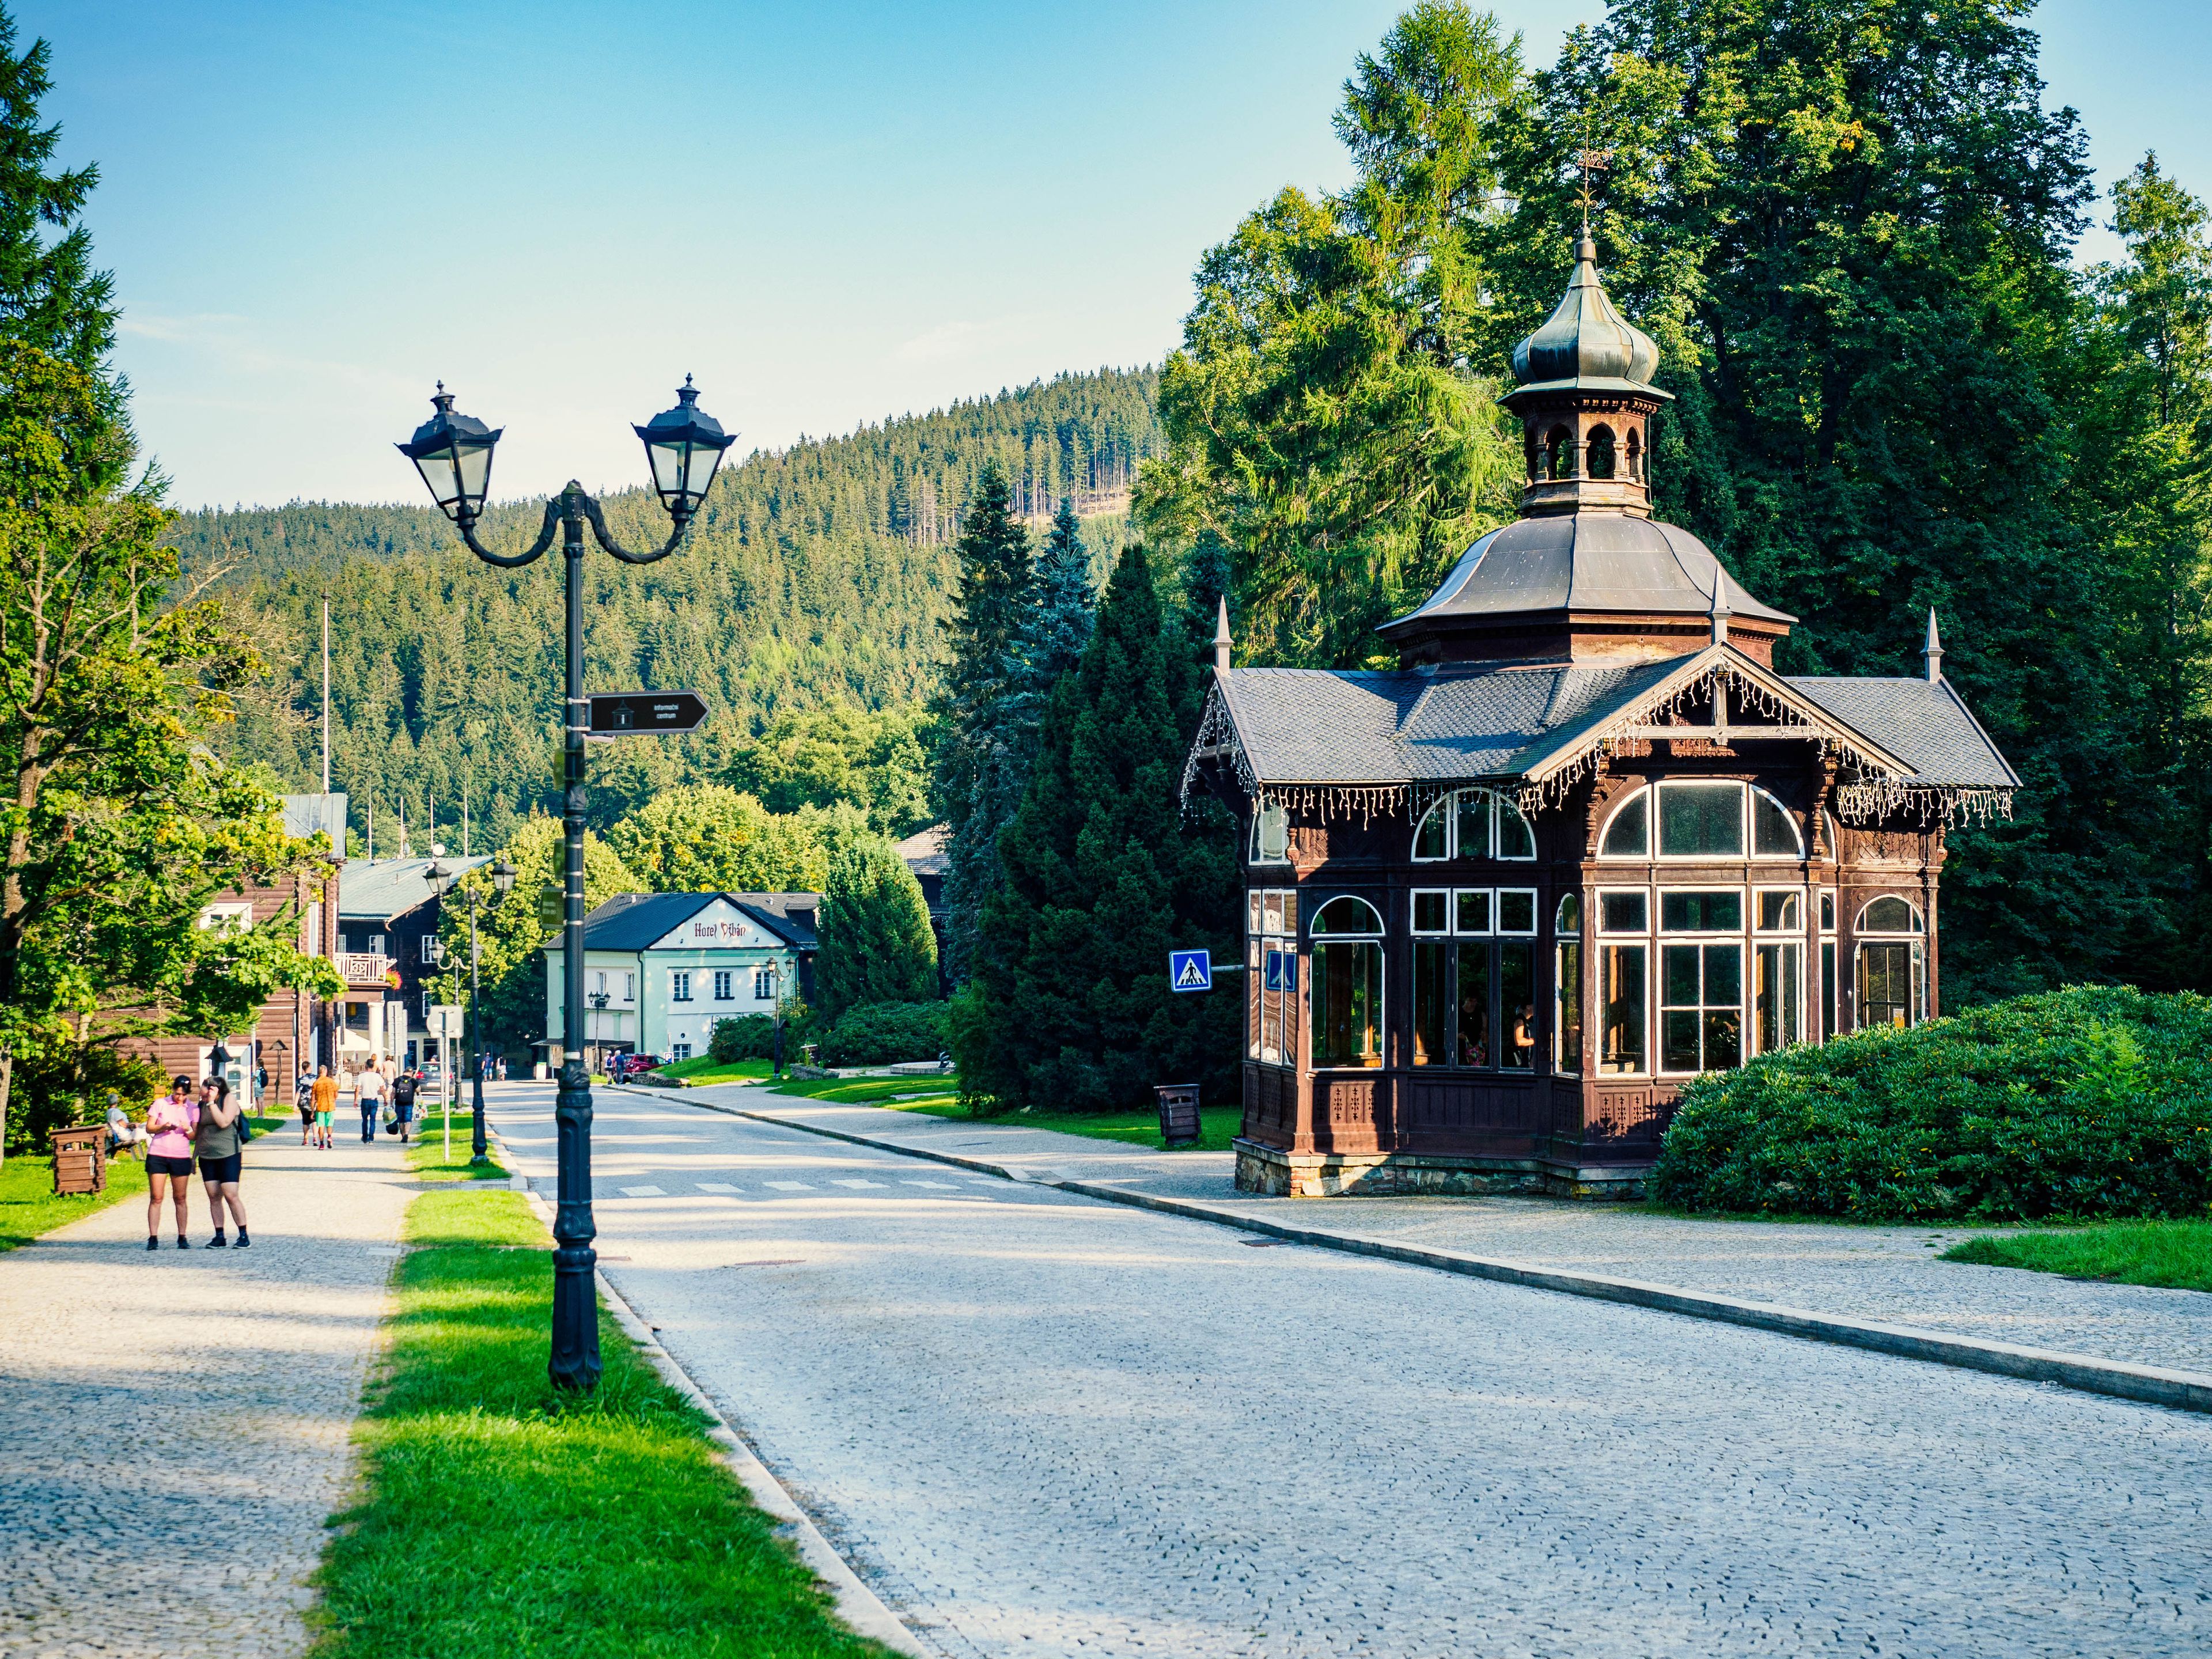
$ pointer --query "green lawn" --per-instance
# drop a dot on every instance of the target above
(28, 1206)
(873, 1091)
(707, 1069)
(494, 1519)
(2177, 1254)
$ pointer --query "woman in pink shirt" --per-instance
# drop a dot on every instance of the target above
(171, 1122)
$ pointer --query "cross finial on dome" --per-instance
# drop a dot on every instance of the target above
(1589, 161)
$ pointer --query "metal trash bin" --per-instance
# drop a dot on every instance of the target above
(81, 1158)
(1179, 1121)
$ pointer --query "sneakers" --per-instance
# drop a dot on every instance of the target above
(183, 1244)
(218, 1243)
(152, 1242)
(244, 1243)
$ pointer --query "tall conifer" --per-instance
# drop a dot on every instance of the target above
(1104, 875)
(979, 762)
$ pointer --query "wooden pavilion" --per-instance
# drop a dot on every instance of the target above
(1582, 844)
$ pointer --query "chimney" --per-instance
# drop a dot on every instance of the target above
(1221, 640)
(1931, 654)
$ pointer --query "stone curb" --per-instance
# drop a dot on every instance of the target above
(858, 1608)
(2150, 1385)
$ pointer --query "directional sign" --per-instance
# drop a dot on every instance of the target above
(627, 713)
(1190, 970)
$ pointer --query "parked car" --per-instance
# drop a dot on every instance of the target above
(623, 1066)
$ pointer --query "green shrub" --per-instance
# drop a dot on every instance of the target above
(884, 1033)
(743, 1036)
(2093, 1101)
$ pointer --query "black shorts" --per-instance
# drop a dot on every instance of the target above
(167, 1164)
(307, 1113)
(220, 1168)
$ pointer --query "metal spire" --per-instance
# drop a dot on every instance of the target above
(1720, 612)
(1221, 640)
(1931, 654)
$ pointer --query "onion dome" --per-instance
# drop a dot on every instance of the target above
(1585, 343)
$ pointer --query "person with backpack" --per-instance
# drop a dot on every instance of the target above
(403, 1088)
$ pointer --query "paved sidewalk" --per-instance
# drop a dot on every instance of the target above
(1888, 1274)
(174, 1426)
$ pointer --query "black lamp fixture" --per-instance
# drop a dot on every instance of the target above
(503, 875)
(683, 446)
(454, 454)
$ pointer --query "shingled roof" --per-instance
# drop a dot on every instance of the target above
(1319, 728)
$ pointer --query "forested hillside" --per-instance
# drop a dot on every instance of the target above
(817, 574)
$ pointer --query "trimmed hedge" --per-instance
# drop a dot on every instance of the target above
(884, 1033)
(2090, 1102)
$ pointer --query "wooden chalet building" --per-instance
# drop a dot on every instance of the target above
(1582, 844)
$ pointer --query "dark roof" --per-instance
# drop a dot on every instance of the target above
(1580, 563)
(923, 852)
(1585, 344)
(1470, 722)
(1926, 723)
(634, 921)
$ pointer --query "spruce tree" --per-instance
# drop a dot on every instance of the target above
(980, 759)
(1104, 874)
(1064, 603)
(874, 927)
(50, 295)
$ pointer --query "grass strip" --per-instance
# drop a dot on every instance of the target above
(2177, 1254)
(707, 1069)
(425, 1151)
(939, 1098)
(496, 1520)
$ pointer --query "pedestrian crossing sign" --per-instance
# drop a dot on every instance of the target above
(1190, 970)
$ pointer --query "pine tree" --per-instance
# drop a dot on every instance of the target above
(874, 927)
(1064, 602)
(980, 763)
(50, 295)
(1105, 874)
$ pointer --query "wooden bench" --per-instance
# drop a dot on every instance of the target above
(81, 1158)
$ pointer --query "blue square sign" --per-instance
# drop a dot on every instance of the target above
(1190, 970)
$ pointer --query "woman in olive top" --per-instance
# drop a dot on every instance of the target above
(215, 1144)
(170, 1122)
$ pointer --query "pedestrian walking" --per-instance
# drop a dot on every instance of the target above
(326, 1096)
(403, 1088)
(369, 1095)
(221, 1155)
(171, 1121)
(303, 1097)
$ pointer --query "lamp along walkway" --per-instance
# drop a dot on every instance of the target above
(176, 1424)
(1878, 1275)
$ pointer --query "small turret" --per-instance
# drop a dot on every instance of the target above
(1720, 612)
(1931, 654)
(1221, 640)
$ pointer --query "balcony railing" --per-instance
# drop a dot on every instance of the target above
(363, 967)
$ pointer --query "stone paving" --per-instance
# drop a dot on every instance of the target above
(174, 1425)
(1044, 1424)
(1886, 1273)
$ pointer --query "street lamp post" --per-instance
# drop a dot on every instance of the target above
(453, 453)
(775, 996)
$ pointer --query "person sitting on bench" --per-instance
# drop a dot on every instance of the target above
(122, 1134)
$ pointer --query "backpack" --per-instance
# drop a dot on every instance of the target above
(402, 1090)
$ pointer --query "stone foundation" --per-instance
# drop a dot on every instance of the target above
(1274, 1173)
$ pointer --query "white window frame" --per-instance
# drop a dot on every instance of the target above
(228, 918)
(1796, 929)
(1659, 912)
(1600, 940)
(679, 985)
(1597, 928)
(1741, 855)
(679, 1052)
(1497, 913)
(629, 987)
(1489, 897)
(761, 991)
(1650, 828)
(1443, 897)
(1751, 826)
(1661, 1008)
(1449, 804)
(724, 985)
(1918, 930)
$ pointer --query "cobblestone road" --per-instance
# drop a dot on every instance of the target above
(173, 1426)
(1045, 1426)
(1885, 1274)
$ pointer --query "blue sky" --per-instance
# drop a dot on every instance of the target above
(828, 212)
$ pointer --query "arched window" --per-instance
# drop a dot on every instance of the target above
(1270, 834)
(1599, 457)
(1345, 914)
(1473, 823)
(1555, 445)
(1894, 971)
(1348, 983)
(1635, 455)
(1773, 831)
(1628, 834)
(1890, 916)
